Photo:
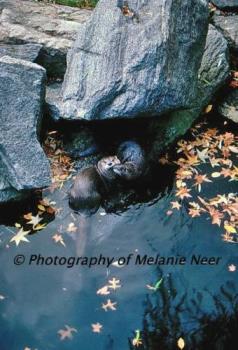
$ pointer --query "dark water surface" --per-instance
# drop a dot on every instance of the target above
(40, 300)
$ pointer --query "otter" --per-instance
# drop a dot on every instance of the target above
(91, 183)
(132, 161)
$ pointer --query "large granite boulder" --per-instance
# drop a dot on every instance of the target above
(229, 106)
(23, 163)
(52, 26)
(136, 60)
(27, 52)
(213, 73)
(228, 25)
(226, 4)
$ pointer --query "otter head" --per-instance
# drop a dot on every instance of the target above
(105, 167)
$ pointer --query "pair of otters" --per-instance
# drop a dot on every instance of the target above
(92, 183)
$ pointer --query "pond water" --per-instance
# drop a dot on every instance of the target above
(39, 300)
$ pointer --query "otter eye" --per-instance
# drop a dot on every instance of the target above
(110, 164)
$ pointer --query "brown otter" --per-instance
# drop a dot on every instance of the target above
(90, 184)
(132, 161)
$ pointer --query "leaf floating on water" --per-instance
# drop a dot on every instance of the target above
(67, 332)
(96, 327)
(232, 268)
(114, 283)
(208, 109)
(71, 227)
(183, 193)
(17, 225)
(20, 237)
(158, 284)
(230, 229)
(41, 207)
(137, 340)
(116, 264)
(203, 155)
(109, 305)
(216, 174)
(27, 216)
(180, 183)
(233, 149)
(103, 291)
(35, 220)
(150, 287)
(181, 343)
(176, 205)
(58, 239)
(39, 227)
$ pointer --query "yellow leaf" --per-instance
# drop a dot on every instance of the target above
(233, 149)
(39, 227)
(180, 183)
(41, 207)
(230, 229)
(181, 343)
(216, 174)
(17, 225)
(208, 109)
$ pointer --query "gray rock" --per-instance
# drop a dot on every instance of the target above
(144, 64)
(228, 25)
(227, 4)
(213, 73)
(229, 106)
(52, 26)
(23, 163)
(27, 52)
(53, 99)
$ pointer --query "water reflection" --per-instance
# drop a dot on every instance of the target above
(195, 302)
(164, 320)
(40, 300)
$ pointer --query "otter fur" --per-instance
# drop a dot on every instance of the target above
(89, 185)
(132, 161)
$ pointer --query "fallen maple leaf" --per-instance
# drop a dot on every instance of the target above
(194, 212)
(137, 341)
(183, 193)
(230, 229)
(72, 227)
(20, 237)
(199, 179)
(109, 305)
(216, 216)
(96, 327)
(27, 216)
(67, 333)
(232, 268)
(58, 239)
(103, 291)
(35, 220)
(176, 205)
(114, 283)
